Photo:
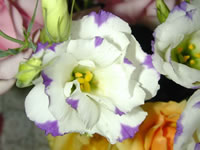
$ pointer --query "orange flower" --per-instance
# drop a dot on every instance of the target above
(155, 133)
(158, 130)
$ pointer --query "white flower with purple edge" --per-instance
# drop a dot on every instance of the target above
(94, 82)
(187, 135)
(176, 46)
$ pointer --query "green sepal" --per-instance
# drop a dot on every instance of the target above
(162, 10)
(28, 71)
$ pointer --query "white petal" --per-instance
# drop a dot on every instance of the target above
(36, 105)
(59, 72)
(87, 108)
(134, 52)
(114, 82)
(188, 123)
(102, 26)
(118, 128)
(103, 54)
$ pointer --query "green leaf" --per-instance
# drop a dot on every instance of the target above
(11, 38)
(162, 10)
(32, 20)
(9, 52)
(188, 1)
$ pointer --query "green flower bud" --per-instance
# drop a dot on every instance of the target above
(28, 71)
(162, 10)
(57, 21)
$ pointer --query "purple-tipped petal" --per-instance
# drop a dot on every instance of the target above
(53, 46)
(101, 17)
(196, 105)
(190, 13)
(148, 62)
(128, 132)
(181, 7)
(46, 80)
(197, 146)
(119, 112)
(179, 128)
(73, 103)
(41, 46)
(98, 41)
(50, 127)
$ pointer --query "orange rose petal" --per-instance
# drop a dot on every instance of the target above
(169, 133)
(149, 137)
(137, 143)
(159, 142)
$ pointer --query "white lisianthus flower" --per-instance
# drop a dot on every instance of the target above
(94, 82)
(187, 135)
(177, 47)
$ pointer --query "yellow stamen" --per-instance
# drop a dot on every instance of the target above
(191, 46)
(88, 76)
(87, 87)
(197, 55)
(192, 62)
(78, 74)
(80, 80)
(179, 49)
(185, 58)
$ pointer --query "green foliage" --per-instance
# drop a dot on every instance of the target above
(27, 43)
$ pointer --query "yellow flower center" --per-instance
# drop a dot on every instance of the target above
(85, 80)
(187, 53)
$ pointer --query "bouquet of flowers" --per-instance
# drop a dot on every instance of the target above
(91, 80)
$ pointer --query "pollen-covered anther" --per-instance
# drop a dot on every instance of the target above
(88, 76)
(191, 46)
(179, 49)
(78, 74)
(84, 79)
(81, 80)
(185, 58)
(192, 62)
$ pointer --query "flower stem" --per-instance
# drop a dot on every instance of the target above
(11, 38)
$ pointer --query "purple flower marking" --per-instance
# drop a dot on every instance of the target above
(196, 105)
(98, 41)
(119, 112)
(53, 46)
(182, 7)
(41, 46)
(190, 13)
(101, 17)
(73, 103)
(46, 80)
(128, 132)
(49, 127)
(152, 45)
(197, 146)
(148, 62)
(127, 61)
(179, 128)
